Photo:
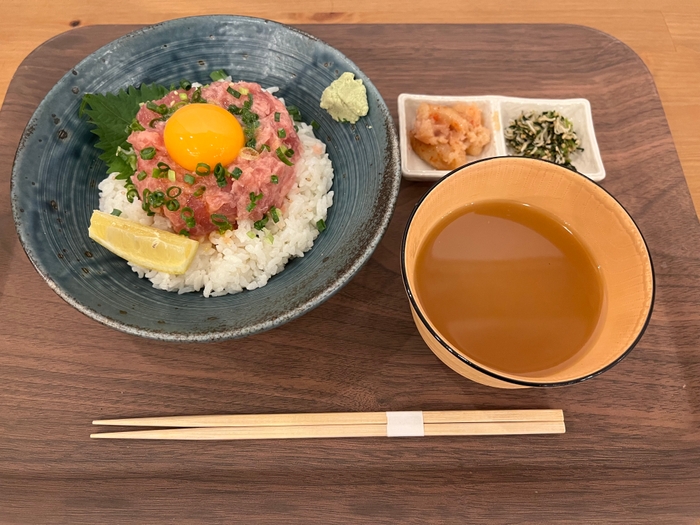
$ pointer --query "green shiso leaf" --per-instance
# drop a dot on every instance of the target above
(112, 114)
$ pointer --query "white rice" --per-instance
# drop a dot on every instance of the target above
(233, 262)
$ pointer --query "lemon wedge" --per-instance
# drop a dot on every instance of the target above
(143, 245)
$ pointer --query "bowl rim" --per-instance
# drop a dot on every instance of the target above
(391, 152)
(481, 369)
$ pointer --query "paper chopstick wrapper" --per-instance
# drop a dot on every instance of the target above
(404, 424)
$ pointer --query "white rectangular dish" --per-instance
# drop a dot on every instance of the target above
(497, 112)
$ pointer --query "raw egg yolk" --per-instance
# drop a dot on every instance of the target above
(203, 133)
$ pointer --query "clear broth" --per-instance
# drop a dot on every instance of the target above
(509, 286)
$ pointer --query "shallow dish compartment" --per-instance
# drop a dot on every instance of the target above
(497, 112)
(415, 168)
(578, 111)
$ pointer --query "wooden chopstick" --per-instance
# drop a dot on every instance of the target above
(337, 425)
(337, 431)
(334, 418)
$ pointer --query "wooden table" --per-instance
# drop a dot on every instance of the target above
(631, 452)
(665, 34)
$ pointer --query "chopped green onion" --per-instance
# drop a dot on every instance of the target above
(136, 126)
(236, 173)
(148, 153)
(145, 205)
(116, 212)
(131, 195)
(152, 123)
(156, 173)
(251, 121)
(161, 109)
(289, 152)
(321, 225)
(202, 169)
(294, 113)
(269, 238)
(219, 74)
(315, 124)
(220, 174)
(274, 214)
(264, 147)
(156, 199)
(187, 215)
(162, 166)
(233, 92)
(281, 133)
(189, 179)
(172, 205)
(171, 176)
(251, 234)
(253, 200)
(245, 91)
(274, 179)
(185, 84)
(277, 116)
(169, 192)
(199, 192)
(259, 225)
(129, 158)
(221, 221)
(219, 170)
(283, 157)
(197, 96)
(249, 118)
(141, 175)
(184, 232)
(183, 97)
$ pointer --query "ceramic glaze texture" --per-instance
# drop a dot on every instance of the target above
(56, 172)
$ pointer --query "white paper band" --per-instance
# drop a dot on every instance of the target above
(404, 424)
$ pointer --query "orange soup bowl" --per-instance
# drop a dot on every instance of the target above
(604, 228)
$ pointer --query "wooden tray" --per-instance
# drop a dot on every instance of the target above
(632, 449)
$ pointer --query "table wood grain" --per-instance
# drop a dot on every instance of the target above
(631, 453)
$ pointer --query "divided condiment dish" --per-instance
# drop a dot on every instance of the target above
(497, 112)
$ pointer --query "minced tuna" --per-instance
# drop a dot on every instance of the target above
(254, 167)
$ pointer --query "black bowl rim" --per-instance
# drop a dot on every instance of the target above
(481, 369)
(393, 167)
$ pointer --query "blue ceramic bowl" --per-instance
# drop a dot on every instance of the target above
(56, 172)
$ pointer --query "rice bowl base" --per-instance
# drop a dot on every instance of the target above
(238, 260)
(55, 179)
